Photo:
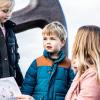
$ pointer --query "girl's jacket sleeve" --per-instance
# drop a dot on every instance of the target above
(30, 79)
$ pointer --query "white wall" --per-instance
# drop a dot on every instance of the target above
(78, 13)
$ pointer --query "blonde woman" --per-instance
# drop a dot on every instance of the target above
(9, 55)
(86, 54)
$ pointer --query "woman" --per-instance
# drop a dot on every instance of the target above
(86, 55)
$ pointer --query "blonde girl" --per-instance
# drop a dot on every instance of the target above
(9, 55)
(86, 54)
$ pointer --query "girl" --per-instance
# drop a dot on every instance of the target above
(86, 54)
(9, 56)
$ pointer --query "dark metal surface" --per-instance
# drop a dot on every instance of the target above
(37, 14)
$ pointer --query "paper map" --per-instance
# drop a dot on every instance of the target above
(9, 89)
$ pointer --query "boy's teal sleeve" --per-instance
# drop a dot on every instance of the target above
(30, 79)
(71, 76)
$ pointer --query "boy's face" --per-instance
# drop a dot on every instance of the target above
(5, 12)
(52, 43)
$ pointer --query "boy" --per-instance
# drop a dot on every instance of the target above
(49, 76)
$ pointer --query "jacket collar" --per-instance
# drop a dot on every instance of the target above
(9, 24)
(59, 59)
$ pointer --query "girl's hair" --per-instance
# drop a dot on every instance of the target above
(6, 1)
(57, 28)
(86, 49)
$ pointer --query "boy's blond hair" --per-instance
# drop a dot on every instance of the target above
(86, 49)
(57, 28)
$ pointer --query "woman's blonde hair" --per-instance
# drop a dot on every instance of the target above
(57, 28)
(87, 49)
(2, 2)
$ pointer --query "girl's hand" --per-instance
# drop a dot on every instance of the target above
(25, 97)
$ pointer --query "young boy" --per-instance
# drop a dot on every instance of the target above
(49, 76)
(8, 44)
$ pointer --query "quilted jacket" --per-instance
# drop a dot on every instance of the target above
(48, 79)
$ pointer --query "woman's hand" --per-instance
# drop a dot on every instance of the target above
(25, 97)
